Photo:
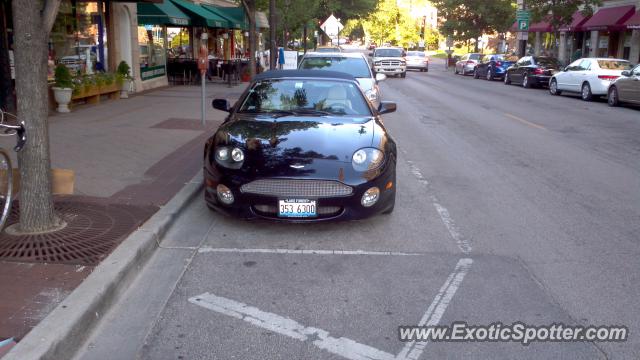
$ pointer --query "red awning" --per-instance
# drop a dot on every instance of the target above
(634, 21)
(576, 23)
(612, 18)
(541, 26)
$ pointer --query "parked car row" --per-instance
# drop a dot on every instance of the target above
(589, 77)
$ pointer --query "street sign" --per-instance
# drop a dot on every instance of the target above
(523, 25)
(523, 15)
(421, 43)
(331, 26)
(449, 41)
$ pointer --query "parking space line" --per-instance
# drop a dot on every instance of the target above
(526, 122)
(342, 346)
(413, 350)
(206, 249)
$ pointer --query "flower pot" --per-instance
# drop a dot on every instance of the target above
(245, 77)
(124, 89)
(63, 98)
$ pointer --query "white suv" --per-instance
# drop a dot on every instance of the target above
(389, 61)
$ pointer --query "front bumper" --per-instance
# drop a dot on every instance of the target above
(390, 70)
(417, 66)
(329, 208)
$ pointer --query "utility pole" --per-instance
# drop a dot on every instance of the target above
(522, 35)
(272, 35)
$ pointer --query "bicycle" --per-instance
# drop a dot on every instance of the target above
(6, 168)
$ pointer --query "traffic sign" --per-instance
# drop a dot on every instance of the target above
(523, 15)
(523, 25)
(331, 26)
(449, 41)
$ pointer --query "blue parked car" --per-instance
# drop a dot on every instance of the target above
(493, 66)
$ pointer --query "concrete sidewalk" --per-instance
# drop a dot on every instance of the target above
(138, 151)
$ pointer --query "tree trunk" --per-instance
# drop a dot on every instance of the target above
(250, 7)
(272, 35)
(31, 35)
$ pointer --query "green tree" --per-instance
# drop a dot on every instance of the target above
(181, 39)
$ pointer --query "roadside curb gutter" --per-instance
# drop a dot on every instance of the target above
(66, 328)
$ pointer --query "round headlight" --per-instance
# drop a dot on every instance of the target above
(222, 154)
(359, 157)
(224, 194)
(370, 197)
(237, 155)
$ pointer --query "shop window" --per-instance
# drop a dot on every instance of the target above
(151, 41)
(179, 43)
(78, 38)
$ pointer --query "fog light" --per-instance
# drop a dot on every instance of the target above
(370, 197)
(224, 194)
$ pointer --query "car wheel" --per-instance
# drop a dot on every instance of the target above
(507, 80)
(475, 74)
(525, 81)
(553, 87)
(586, 92)
(489, 75)
(403, 75)
(613, 99)
(427, 69)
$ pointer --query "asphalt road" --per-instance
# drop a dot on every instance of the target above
(513, 205)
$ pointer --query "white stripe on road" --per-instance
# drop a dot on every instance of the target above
(413, 350)
(344, 347)
(305, 252)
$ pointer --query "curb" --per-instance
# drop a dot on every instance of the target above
(66, 328)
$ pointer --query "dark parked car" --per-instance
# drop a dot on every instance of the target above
(301, 145)
(626, 88)
(532, 71)
(492, 66)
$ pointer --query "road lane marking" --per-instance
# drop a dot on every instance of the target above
(526, 122)
(461, 241)
(435, 311)
(206, 249)
(342, 346)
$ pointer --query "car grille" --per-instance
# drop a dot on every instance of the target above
(297, 188)
(390, 63)
(321, 211)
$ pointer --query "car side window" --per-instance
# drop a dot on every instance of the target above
(465, 57)
(574, 66)
(584, 65)
(636, 71)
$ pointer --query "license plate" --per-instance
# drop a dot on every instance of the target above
(297, 208)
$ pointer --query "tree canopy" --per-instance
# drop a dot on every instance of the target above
(465, 20)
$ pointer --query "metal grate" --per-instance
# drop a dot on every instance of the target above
(297, 188)
(93, 230)
(390, 62)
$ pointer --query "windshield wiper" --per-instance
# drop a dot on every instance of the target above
(282, 113)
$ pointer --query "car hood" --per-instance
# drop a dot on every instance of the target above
(298, 137)
(379, 58)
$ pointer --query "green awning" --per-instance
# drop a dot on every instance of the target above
(200, 16)
(234, 15)
(161, 14)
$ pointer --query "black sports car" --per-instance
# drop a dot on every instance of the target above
(301, 145)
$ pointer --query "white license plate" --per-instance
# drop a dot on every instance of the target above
(297, 208)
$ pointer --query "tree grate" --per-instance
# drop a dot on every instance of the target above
(93, 230)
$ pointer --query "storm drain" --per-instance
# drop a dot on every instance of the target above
(93, 230)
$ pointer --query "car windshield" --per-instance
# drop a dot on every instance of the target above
(474, 56)
(305, 97)
(415, 53)
(328, 50)
(547, 62)
(358, 67)
(614, 64)
(388, 53)
(497, 57)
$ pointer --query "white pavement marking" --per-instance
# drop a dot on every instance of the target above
(413, 350)
(305, 252)
(344, 347)
(463, 243)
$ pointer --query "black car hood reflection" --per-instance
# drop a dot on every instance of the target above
(297, 145)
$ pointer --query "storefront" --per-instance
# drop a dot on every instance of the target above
(633, 27)
(155, 22)
(608, 36)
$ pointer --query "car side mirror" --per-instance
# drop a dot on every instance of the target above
(566, 68)
(381, 77)
(221, 104)
(626, 73)
(386, 107)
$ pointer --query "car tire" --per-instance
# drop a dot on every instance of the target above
(489, 75)
(403, 75)
(455, 70)
(613, 99)
(585, 92)
(475, 74)
(526, 83)
(427, 69)
(553, 87)
(507, 80)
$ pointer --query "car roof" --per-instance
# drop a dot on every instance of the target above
(320, 74)
(601, 58)
(335, 54)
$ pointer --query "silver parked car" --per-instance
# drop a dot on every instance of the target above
(467, 63)
(354, 64)
(626, 88)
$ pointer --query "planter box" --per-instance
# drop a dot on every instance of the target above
(92, 95)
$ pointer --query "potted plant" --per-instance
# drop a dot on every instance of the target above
(63, 88)
(123, 78)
